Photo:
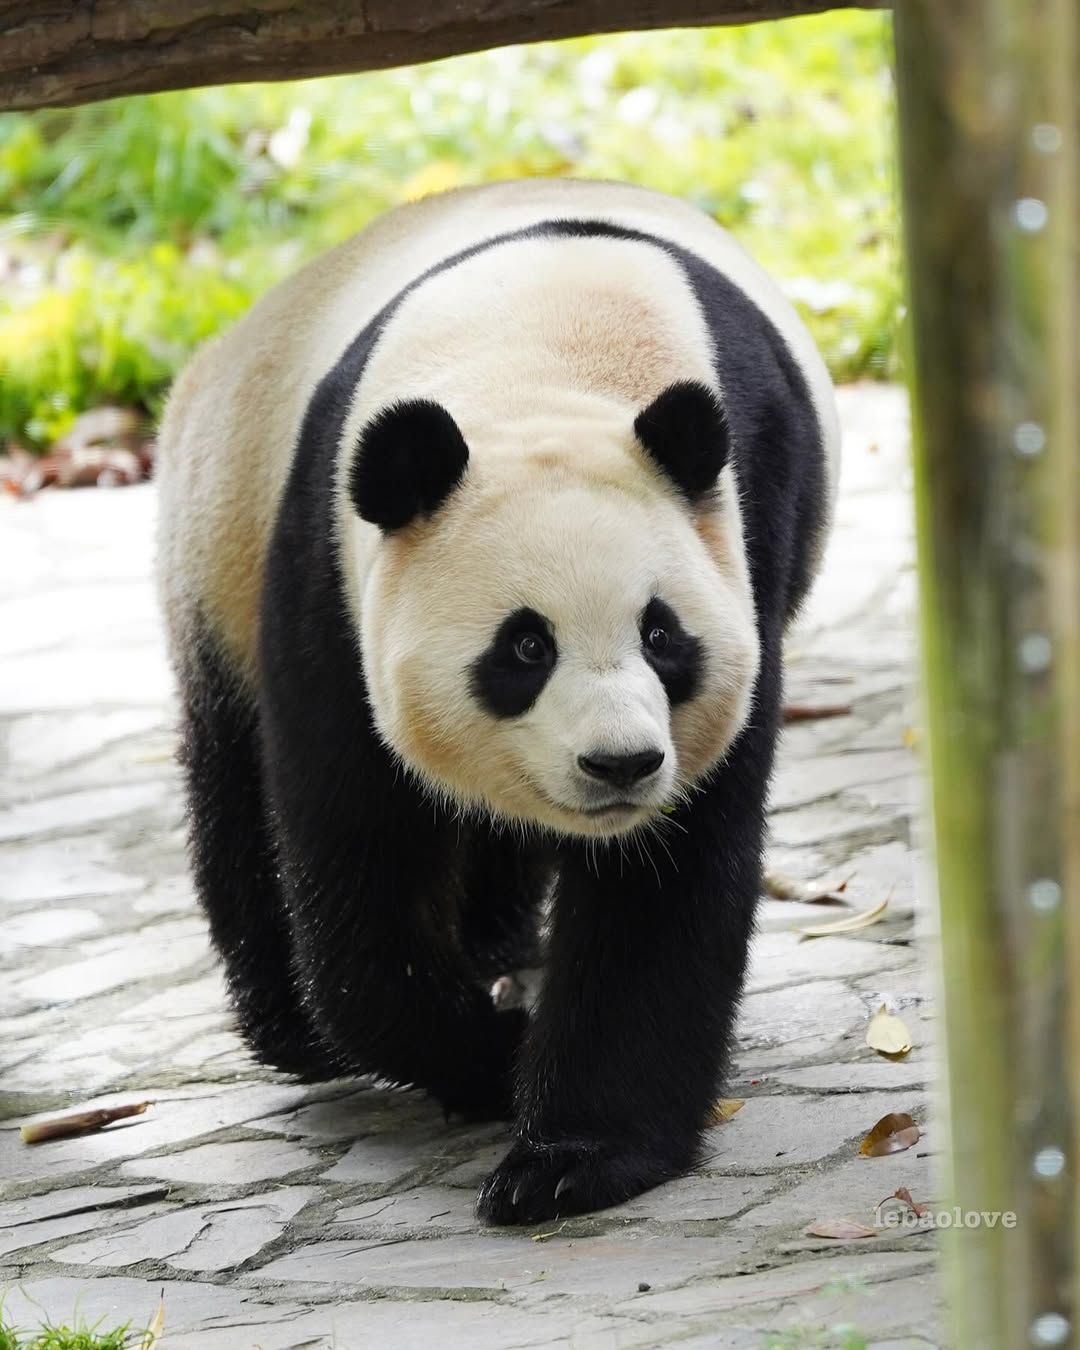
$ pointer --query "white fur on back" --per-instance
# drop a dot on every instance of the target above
(231, 426)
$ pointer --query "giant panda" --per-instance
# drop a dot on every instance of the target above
(478, 541)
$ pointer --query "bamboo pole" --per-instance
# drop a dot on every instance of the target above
(1065, 429)
(988, 129)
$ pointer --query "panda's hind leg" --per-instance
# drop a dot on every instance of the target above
(234, 868)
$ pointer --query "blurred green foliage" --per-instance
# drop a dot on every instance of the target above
(131, 230)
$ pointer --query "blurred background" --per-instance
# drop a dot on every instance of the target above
(131, 230)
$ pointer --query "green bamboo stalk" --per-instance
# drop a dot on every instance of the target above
(1065, 425)
(987, 116)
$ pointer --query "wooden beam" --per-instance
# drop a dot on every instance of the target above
(61, 52)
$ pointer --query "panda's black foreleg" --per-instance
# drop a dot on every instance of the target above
(505, 883)
(234, 868)
(386, 985)
(373, 875)
(645, 967)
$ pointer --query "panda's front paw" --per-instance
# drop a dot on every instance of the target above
(538, 1181)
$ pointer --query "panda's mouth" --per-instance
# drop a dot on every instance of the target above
(617, 808)
(621, 808)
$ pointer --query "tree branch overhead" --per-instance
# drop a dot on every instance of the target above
(55, 53)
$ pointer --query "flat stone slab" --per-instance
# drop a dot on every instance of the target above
(197, 1237)
(284, 1217)
(225, 1164)
(609, 1264)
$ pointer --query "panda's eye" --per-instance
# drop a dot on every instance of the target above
(530, 649)
(657, 639)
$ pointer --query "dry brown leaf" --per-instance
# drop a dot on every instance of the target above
(812, 712)
(888, 1035)
(80, 1122)
(904, 1195)
(833, 895)
(724, 1109)
(781, 886)
(850, 923)
(892, 1134)
(156, 1327)
(106, 446)
(840, 1228)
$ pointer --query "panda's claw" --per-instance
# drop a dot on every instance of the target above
(540, 1181)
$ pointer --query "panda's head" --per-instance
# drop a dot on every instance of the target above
(558, 630)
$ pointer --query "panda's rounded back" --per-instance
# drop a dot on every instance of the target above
(231, 426)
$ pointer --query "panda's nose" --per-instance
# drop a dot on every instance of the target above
(621, 770)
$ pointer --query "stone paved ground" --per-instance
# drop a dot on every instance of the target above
(279, 1216)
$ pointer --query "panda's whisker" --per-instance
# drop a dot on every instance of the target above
(670, 823)
(656, 831)
(644, 851)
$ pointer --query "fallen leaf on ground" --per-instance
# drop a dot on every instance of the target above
(811, 712)
(850, 923)
(724, 1109)
(781, 886)
(892, 1134)
(80, 1122)
(888, 1035)
(105, 447)
(904, 1195)
(156, 1327)
(840, 1228)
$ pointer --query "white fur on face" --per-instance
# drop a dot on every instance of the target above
(228, 438)
(588, 554)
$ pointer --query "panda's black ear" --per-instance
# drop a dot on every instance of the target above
(410, 458)
(685, 432)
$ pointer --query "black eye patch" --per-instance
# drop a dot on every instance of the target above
(507, 678)
(676, 655)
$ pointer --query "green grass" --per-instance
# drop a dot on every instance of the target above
(65, 1338)
(132, 229)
